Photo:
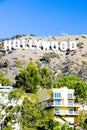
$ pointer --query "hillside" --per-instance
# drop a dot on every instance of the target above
(66, 63)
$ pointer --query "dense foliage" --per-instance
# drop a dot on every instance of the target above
(74, 82)
(83, 119)
(32, 77)
(28, 79)
(46, 78)
(4, 80)
(33, 116)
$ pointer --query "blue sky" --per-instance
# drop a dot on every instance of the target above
(43, 17)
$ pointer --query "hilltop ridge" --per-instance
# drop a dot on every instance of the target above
(66, 63)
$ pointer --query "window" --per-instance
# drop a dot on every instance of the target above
(71, 111)
(57, 102)
(57, 110)
(70, 103)
(70, 95)
(57, 95)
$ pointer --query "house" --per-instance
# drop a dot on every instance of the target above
(4, 91)
(6, 102)
(60, 104)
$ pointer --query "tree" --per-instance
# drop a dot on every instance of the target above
(81, 92)
(34, 116)
(28, 79)
(46, 78)
(4, 80)
(74, 82)
(12, 115)
(83, 118)
(1, 75)
(64, 126)
(8, 127)
(68, 81)
(16, 94)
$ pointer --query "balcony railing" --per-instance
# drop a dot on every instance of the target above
(74, 105)
(71, 97)
(65, 112)
(60, 105)
(48, 106)
(56, 97)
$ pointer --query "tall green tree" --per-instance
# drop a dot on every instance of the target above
(46, 78)
(81, 92)
(68, 81)
(29, 78)
(74, 82)
(83, 119)
(34, 116)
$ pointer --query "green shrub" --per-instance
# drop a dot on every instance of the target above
(84, 62)
(47, 57)
(57, 128)
(20, 64)
(64, 126)
(80, 44)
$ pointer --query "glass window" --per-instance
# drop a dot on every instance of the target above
(57, 95)
(70, 103)
(70, 95)
(57, 110)
(57, 102)
(71, 111)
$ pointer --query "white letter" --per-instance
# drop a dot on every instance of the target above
(37, 43)
(46, 45)
(54, 45)
(63, 46)
(23, 44)
(30, 44)
(7, 45)
(16, 44)
(73, 45)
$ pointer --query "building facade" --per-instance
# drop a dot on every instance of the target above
(6, 102)
(60, 104)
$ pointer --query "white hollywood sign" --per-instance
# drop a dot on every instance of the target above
(39, 44)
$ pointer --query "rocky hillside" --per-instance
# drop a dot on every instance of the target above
(67, 63)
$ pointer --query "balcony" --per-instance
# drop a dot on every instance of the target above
(74, 105)
(61, 105)
(71, 98)
(65, 112)
(47, 106)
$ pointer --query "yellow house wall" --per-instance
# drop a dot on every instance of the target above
(76, 120)
(56, 118)
(63, 108)
(44, 95)
(76, 109)
(70, 119)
